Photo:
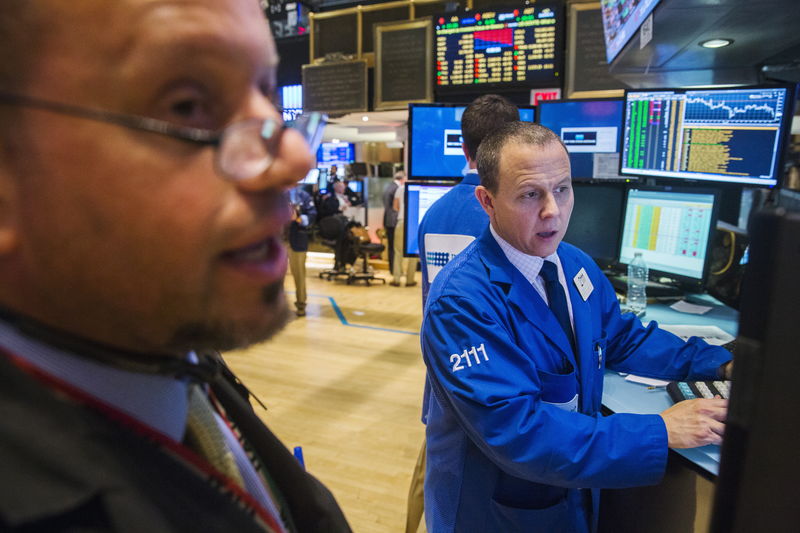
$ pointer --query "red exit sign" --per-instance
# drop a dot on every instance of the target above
(537, 95)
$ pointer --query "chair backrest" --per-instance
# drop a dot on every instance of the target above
(331, 227)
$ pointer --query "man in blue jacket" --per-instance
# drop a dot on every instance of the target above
(517, 332)
(451, 223)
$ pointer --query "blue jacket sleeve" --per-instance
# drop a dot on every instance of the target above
(495, 394)
(653, 352)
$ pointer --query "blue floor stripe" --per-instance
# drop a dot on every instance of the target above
(344, 321)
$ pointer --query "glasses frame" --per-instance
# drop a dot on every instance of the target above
(201, 136)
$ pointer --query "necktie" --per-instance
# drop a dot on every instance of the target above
(557, 299)
(204, 435)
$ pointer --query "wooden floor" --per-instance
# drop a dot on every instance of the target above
(345, 383)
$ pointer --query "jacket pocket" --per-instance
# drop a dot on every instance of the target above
(552, 519)
(560, 390)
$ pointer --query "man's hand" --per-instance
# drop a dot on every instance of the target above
(693, 423)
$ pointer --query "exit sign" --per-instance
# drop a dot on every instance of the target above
(537, 95)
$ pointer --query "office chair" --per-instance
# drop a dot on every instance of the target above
(332, 233)
(363, 248)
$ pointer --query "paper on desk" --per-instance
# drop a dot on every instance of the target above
(646, 381)
(683, 306)
(710, 334)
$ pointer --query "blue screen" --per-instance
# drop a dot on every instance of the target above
(435, 140)
(336, 153)
(418, 199)
(590, 129)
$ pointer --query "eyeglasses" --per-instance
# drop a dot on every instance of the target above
(244, 149)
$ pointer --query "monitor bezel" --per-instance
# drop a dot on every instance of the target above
(560, 49)
(711, 181)
(410, 142)
(424, 183)
(687, 283)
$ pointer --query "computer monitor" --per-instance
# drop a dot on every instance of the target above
(596, 220)
(359, 169)
(331, 153)
(590, 130)
(312, 177)
(621, 21)
(434, 140)
(357, 186)
(499, 48)
(734, 135)
(323, 180)
(418, 198)
(672, 229)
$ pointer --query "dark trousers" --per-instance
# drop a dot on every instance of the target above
(390, 238)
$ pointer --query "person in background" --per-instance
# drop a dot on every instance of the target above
(304, 214)
(449, 225)
(401, 264)
(517, 333)
(390, 214)
(143, 177)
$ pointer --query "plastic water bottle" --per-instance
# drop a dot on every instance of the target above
(637, 285)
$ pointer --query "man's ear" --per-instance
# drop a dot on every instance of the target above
(485, 199)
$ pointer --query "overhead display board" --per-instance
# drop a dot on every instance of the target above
(403, 54)
(513, 47)
(335, 88)
(587, 68)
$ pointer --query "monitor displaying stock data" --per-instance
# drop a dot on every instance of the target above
(503, 46)
(732, 135)
(671, 228)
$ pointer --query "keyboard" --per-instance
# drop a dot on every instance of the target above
(689, 390)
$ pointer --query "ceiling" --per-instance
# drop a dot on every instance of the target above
(380, 126)
(765, 32)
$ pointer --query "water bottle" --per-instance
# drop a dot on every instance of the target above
(637, 285)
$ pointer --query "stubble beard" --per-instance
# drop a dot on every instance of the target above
(227, 335)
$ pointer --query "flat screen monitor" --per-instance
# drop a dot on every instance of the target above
(357, 186)
(621, 20)
(672, 229)
(590, 130)
(499, 47)
(322, 180)
(594, 226)
(336, 153)
(291, 101)
(359, 169)
(734, 135)
(312, 177)
(434, 132)
(418, 198)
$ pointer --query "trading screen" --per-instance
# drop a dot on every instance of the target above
(419, 198)
(621, 20)
(732, 135)
(671, 229)
(515, 46)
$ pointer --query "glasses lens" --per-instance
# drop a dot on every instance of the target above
(310, 125)
(248, 148)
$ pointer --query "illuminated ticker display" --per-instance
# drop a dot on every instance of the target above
(516, 46)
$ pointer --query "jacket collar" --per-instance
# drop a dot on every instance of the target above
(523, 296)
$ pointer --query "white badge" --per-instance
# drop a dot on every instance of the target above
(583, 283)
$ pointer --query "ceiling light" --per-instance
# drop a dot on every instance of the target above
(365, 118)
(335, 141)
(716, 43)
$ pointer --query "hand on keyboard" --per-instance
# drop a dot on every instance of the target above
(693, 423)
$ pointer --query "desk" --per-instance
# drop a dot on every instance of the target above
(622, 396)
(682, 502)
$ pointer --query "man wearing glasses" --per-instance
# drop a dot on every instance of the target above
(143, 180)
